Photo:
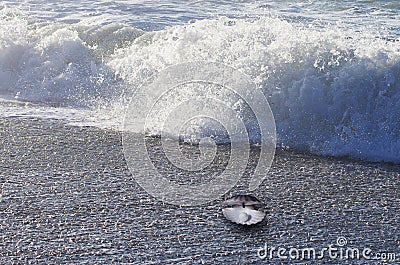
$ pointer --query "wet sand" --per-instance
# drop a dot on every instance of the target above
(69, 198)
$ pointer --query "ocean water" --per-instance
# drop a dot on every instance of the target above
(329, 69)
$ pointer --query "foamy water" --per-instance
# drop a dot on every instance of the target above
(330, 70)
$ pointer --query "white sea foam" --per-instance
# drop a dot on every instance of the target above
(58, 63)
(333, 91)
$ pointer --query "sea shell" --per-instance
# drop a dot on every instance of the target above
(243, 209)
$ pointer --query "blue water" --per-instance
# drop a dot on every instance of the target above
(153, 15)
(330, 69)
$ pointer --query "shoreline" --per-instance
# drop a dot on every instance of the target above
(68, 197)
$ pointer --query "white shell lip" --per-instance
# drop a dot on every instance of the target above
(240, 209)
